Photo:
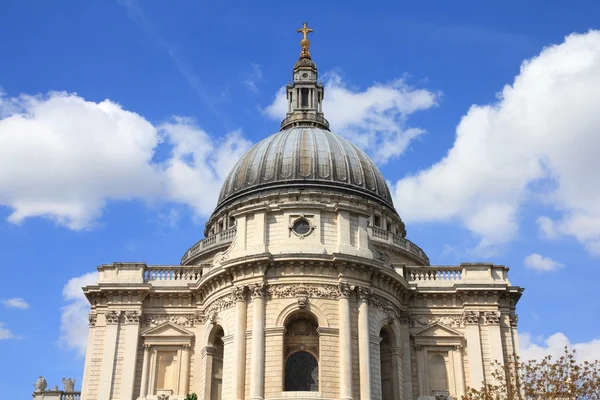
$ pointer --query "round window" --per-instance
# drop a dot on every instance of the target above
(305, 75)
(301, 227)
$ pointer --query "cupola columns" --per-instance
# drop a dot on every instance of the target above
(305, 94)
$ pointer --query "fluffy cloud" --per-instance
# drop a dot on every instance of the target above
(541, 263)
(538, 142)
(63, 158)
(5, 333)
(15, 302)
(555, 345)
(74, 316)
(253, 77)
(374, 119)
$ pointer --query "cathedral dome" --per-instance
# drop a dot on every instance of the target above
(305, 157)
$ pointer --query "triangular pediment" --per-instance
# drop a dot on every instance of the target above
(437, 330)
(168, 329)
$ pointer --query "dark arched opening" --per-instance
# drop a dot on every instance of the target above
(389, 359)
(301, 354)
(301, 372)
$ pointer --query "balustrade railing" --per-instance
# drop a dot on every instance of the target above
(381, 235)
(70, 396)
(205, 244)
(172, 273)
(433, 273)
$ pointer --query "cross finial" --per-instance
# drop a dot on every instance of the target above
(305, 43)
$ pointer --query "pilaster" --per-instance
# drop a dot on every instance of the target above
(257, 371)
(108, 355)
(345, 343)
(132, 325)
(474, 351)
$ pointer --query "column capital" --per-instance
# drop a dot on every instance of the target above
(345, 290)
(132, 317)
(147, 347)
(514, 320)
(492, 317)
(471, 317)
(92, 319)
(239, 293)
(112, 317)
(187, 346)
(364, 293)
(258, 290)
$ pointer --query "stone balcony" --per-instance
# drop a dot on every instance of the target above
(467, 274)
(210, 243)
(396, 241)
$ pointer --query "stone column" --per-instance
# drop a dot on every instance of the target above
(92, 318)
(108, 355)
(474, 349)
(420, 370)
(185, 370)
(145, 372)
(239, 343)
(132, 326)
(257, 371)
(459, 376)
(364, 351)
(208, 353)
(345, 343)
(492, 319)
(406, 350)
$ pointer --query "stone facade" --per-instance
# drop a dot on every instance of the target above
(304, 287)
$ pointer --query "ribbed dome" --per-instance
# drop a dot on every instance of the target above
(309, 157)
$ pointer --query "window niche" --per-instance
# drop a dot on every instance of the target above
(301, 356)
(389, 357)
(165, 367)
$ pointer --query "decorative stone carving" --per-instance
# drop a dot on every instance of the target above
(301, 226)
(471, 317)
(93, 318)
(345, 290)
(258, 289)
(492, 317)
(301, 327)
(40, 385)
(238, 293)
(132, 317)
(386, 306)
(514, 320)
(418, 346)
(213, 318)
(220, 304)
(302, 296)
(185, 320)
(364, 294)
(112, 317)
(69, 384)
(450, 320)
(310, 290)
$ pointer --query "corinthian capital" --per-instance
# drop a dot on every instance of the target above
(471, 317)
(364, 293)
(238, 293)
(258, 289)
(345, 290)
(112, 317)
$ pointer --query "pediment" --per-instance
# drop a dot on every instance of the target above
(168, 329)
(437, 330)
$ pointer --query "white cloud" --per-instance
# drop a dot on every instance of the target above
(253, 77)
(15, 302)
(540, 263)
(538, 142)
(5, 333)
(374, 119)
(63, 158)
(554, 345)
(74, 315)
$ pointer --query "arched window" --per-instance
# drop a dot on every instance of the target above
(437, 372)
(214, 377)
(301, 353)
(389, 357)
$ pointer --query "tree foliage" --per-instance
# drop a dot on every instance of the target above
(562, 379)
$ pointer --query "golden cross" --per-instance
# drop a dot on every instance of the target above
(305, 30)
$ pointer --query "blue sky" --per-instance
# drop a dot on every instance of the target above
(119, 120)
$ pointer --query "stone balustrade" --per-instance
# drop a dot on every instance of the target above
(172, 273)
(469, 273)
(56, 395)
(211, 242)
(383, 236)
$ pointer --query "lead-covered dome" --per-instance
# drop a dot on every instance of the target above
(305, 157)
